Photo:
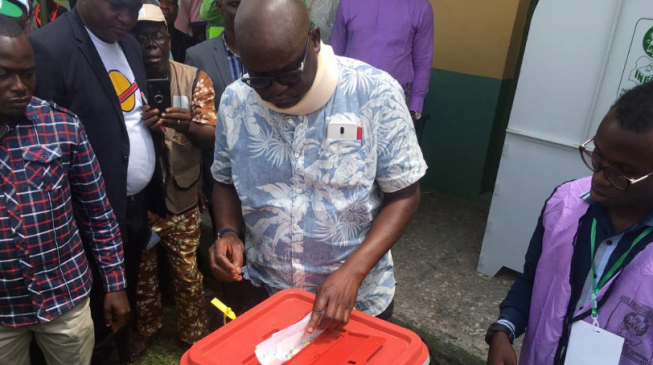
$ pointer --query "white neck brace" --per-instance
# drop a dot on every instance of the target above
(324, 86)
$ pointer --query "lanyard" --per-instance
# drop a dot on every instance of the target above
(610, 273)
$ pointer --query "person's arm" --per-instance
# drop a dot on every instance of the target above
(399, 167)
(516, 307)
(340, 36)
(226, 253)
(422, 59)
(99, 223)
(337, 294)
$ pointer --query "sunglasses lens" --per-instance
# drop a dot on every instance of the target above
(290, 78)
(257, 83)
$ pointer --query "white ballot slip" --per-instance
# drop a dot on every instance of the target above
(285, 344)
(589, 346)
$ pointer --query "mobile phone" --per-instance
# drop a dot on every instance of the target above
(159, 94)
(346, 130)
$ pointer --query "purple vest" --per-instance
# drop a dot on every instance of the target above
(627, 312)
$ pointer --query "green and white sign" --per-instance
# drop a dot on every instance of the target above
(639, 64)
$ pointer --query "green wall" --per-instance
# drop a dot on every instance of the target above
(464, 114)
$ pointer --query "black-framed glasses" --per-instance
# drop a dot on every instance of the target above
(158, 37)
(285, 78)
(615, 178)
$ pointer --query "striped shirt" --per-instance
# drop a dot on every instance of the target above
(46, 166)
(236, 66)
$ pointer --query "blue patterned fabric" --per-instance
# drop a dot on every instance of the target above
(308, 201)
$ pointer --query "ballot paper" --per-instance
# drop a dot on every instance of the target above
(285, 344)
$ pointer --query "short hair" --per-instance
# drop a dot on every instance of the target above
(9, 27)
(635, 109)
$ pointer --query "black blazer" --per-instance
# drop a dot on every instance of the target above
(70, 72)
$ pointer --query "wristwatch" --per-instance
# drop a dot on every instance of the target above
(498, 327)
(225, 231)
(416, 115)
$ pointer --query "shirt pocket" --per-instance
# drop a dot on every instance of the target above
(184, 162)
(43, 168)
(344, 164)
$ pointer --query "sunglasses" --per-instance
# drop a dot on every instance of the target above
(158, 38)
(615, 178)
(285, 78)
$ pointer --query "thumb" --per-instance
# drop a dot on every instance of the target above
(316, 315)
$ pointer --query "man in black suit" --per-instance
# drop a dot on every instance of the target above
(95, 68)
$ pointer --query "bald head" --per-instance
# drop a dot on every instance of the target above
(278, 48)
(276, 28)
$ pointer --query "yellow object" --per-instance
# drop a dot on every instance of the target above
(224, 309)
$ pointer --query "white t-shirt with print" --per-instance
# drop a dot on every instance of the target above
(142, 157)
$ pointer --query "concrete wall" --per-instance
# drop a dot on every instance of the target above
(478, 45)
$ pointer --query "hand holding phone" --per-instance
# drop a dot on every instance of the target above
(178, 119)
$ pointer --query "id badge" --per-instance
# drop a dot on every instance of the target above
(589, 347)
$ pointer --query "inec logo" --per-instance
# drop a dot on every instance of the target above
(648, 42)
(638, 68)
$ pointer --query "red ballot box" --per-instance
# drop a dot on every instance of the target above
(366, 340)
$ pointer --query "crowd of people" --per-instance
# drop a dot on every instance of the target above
(119, 125)
(118, 130)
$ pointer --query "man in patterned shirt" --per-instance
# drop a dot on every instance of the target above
(319, 210)
(189, 127)
(46, 166)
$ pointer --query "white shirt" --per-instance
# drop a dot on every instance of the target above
(142, 157)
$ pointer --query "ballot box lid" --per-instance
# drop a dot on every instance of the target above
(366, 340)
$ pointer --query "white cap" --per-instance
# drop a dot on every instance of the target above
(151, 13)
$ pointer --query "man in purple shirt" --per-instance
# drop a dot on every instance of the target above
(395, 36)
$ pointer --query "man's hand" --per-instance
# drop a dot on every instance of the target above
(415, 116)
(501, 351)
(151, 118)
(116, 310)
(335, 300)
(226, 256)
(201, 200)
(178, 119)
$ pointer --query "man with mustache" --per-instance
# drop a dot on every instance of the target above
(46, 166)
(95, 69)
(590, 260)
(189, 127)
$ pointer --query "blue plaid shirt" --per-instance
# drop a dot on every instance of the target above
(236, 66)
(46, 166)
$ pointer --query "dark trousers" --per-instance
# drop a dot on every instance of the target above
(255, 295)
(110, 348)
